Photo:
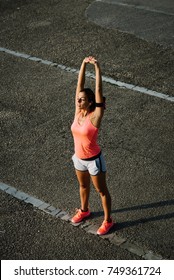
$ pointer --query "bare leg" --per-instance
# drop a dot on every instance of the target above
(99, 182)
(84, 183)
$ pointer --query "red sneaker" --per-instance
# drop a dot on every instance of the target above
(80, 216)
(105, 227)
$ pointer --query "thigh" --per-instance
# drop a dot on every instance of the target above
(83, 178)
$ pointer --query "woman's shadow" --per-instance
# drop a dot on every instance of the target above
(132, 223)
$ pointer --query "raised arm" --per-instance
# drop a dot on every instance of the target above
(98, 83)
(99, 110)
(81, 76)
(81, 80)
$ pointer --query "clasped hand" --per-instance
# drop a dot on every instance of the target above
(90, 59)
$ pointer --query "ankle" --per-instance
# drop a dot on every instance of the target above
(85, 210)
(108, 220)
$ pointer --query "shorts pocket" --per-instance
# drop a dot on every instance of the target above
(98, 165)
(94, 167)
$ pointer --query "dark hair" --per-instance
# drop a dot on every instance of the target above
(91, 98)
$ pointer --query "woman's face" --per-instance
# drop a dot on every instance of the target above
(82, 101)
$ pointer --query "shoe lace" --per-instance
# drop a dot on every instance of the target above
(104, 224)
(77, 211)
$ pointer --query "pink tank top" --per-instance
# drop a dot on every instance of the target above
(85, 138)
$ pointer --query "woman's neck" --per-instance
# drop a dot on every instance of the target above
(84, 113)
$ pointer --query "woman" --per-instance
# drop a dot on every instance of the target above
(88, 159)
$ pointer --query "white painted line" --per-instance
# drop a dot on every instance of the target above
(90, 228)
(91, 75)
(30, 199)
(140, 7)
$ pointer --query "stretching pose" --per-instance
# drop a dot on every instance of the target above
(88, 159)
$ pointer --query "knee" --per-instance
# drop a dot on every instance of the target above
(83, 186)
(104, 192)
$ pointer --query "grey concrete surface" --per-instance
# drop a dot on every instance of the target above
(37, 106)
(163, 6)
(149, 20)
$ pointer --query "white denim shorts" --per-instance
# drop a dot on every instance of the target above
(94, 167)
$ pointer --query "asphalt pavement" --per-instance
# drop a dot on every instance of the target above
(31, 234)
(36, 112)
